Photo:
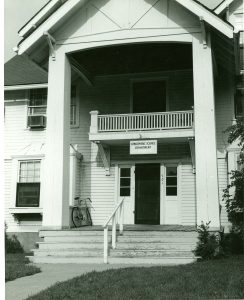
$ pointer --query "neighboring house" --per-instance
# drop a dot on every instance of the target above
(139, 95)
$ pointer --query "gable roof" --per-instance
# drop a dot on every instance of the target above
(53, 17)
(21, 71)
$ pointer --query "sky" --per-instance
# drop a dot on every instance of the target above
(16, 14)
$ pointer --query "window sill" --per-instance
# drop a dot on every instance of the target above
(25, 210)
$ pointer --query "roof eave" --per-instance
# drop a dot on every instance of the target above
(222, 6)
(208, 16)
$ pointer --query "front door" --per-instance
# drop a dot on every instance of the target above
(147, 194)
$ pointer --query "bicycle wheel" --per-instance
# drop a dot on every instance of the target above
(77, 217)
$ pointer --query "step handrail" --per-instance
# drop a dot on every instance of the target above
(118, 209)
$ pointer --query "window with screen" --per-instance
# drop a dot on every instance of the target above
(28, 185)
(125, 182)
(38, 102)
(171, 181)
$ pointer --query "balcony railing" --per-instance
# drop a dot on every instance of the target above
(141, 121)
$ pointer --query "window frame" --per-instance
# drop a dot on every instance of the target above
(77, 105)
(19, 181)
(16, 161)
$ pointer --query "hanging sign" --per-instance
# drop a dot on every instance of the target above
(144, 147)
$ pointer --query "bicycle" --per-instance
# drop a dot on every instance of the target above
(80, 213)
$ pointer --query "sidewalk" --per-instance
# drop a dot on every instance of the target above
(21, 288)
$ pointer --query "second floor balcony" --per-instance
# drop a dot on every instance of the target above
(160, 125)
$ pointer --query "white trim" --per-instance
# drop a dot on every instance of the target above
(25, 87)
(38, 18)
(15, 179)
(70, 5)
(179, 191)
(208, 17)
(24, 210)
(48, 24)
(162, 194)
(219, 9)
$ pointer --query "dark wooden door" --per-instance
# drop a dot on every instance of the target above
(147, 194)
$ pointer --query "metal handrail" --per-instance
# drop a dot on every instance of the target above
(118, 209)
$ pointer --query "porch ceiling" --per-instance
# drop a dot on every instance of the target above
(136, 58)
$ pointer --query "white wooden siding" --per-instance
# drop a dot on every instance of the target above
(188, 195)
(112, 94)
(224, 107)
(223, 181)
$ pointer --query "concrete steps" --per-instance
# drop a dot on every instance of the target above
(133, 247)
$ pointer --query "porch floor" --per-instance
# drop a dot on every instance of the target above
(139, 227)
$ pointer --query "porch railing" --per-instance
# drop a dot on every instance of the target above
(141, 121)
(115, 217)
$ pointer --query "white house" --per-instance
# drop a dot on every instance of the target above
(125, 102)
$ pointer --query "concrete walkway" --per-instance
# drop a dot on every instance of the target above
(21, 288)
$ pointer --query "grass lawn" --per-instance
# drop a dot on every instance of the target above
(219, 279)
(16, 266)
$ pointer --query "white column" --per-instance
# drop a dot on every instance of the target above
(205, 134)
(55, 186)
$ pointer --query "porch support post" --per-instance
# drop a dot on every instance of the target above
(55, 187)
(205, 134)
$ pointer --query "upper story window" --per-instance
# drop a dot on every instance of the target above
(74, 108)
(242, 50)
(38, 106)
(28, 185)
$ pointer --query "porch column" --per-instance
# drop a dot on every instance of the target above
(205, 134)
(55, 187)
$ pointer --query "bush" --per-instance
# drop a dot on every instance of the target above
(208, 246)
(232, 243)
(12, 245)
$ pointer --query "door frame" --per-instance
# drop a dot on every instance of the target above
(163, 191)
(118, 166)
(163, 165)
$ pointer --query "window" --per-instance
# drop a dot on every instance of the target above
(125, 175)
(38, 102)
(239, 103)
(171, 181)
(73, 108)
(38, 106)
(28, 185)
(242, 50)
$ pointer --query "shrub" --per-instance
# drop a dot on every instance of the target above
(234, 200)
(208, 246)
(12, 244)
(232, 243)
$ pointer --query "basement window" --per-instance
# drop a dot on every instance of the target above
(28, 185)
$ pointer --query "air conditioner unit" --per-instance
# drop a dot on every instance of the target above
(37, 121)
